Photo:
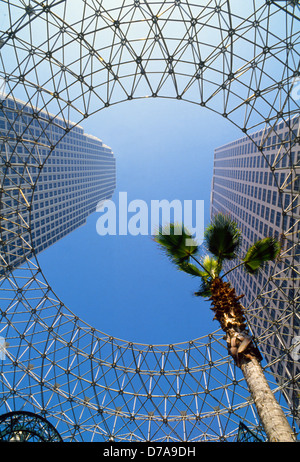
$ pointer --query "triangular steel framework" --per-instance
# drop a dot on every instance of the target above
(66, 62)
(245, 435)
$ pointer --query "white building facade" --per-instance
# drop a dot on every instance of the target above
(256, 182)
(53, 170)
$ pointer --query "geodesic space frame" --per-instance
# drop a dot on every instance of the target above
(69, 63)
(20, 426)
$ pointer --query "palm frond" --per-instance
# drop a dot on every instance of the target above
(204, 289)
(222, 237)
(259, 253)
(211, 266)
(177, 243)
(190, 269)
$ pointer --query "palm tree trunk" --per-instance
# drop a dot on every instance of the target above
(230, 314)
(272, 417)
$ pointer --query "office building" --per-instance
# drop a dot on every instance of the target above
(256, 182)
(55, 174)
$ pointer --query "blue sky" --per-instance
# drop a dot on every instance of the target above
(123, 285)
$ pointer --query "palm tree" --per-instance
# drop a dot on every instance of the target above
(222, 239)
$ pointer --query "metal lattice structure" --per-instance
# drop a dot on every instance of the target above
(73, 58)
(27, 427)
(247, 436)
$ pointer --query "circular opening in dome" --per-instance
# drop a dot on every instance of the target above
(211, 64)
(244, 56)
(121, 283)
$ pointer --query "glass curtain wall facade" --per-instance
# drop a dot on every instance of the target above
(79, 173)
(259, 199)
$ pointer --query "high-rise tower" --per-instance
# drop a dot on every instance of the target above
(258, 186)
(74, 174)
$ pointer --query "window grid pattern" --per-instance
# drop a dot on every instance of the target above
(242, 64)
